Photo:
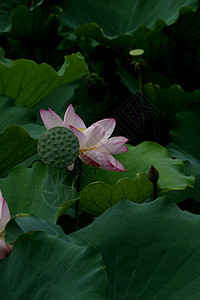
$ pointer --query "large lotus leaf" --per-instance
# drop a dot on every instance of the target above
(185, 144)
(150, 250)
(122, 24)
(16, 145)
(96, 197)
(39, 190)
(139, 159)
(25, 223)
(48, 267)
(28, 83)
(171, 100)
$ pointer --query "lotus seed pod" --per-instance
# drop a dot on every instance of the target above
(58, 147)
(136, 52)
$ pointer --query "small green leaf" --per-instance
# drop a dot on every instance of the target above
(98, 196)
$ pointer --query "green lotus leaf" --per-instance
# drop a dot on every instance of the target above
(39, 190)
(187, 27)
(185, 144)
(6, 8)
(20, 224)
(11, 114)
(139, 159)
(16, 145)
(42, 266)
(96, 197)
(28, 82)
(171, 100)
(34, 33)
(121, 25)
(150, 250)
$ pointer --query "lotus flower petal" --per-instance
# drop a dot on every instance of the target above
(5, 250)
(80, 136)
(114, 145)
(71, 118)
(95, 134)
(50, 119)
(108, 125)
(104, 161)
(4, 213)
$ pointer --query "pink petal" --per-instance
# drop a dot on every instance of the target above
(87, 160)
(71, 118)
(95, 134)
(50, 119)
(114, 145)
(4, 213)
(108, 125)
(1, 203)
(81, 137)
(5, 250)
(117, 165)
(106, 162)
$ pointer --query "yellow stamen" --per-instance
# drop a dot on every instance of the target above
(81, 129)
(85, 149)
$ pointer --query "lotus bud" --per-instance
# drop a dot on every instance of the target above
(153, 174)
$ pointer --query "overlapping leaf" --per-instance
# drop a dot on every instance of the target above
(119, 25)
(39, 190)
(139, 159)
(28, 83)
(25, 223)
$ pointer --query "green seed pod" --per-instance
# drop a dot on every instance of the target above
(136, 52)
(58, 147)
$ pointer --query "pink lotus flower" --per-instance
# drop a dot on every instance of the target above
(4, 213)
(96, 146)
(5, 249)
